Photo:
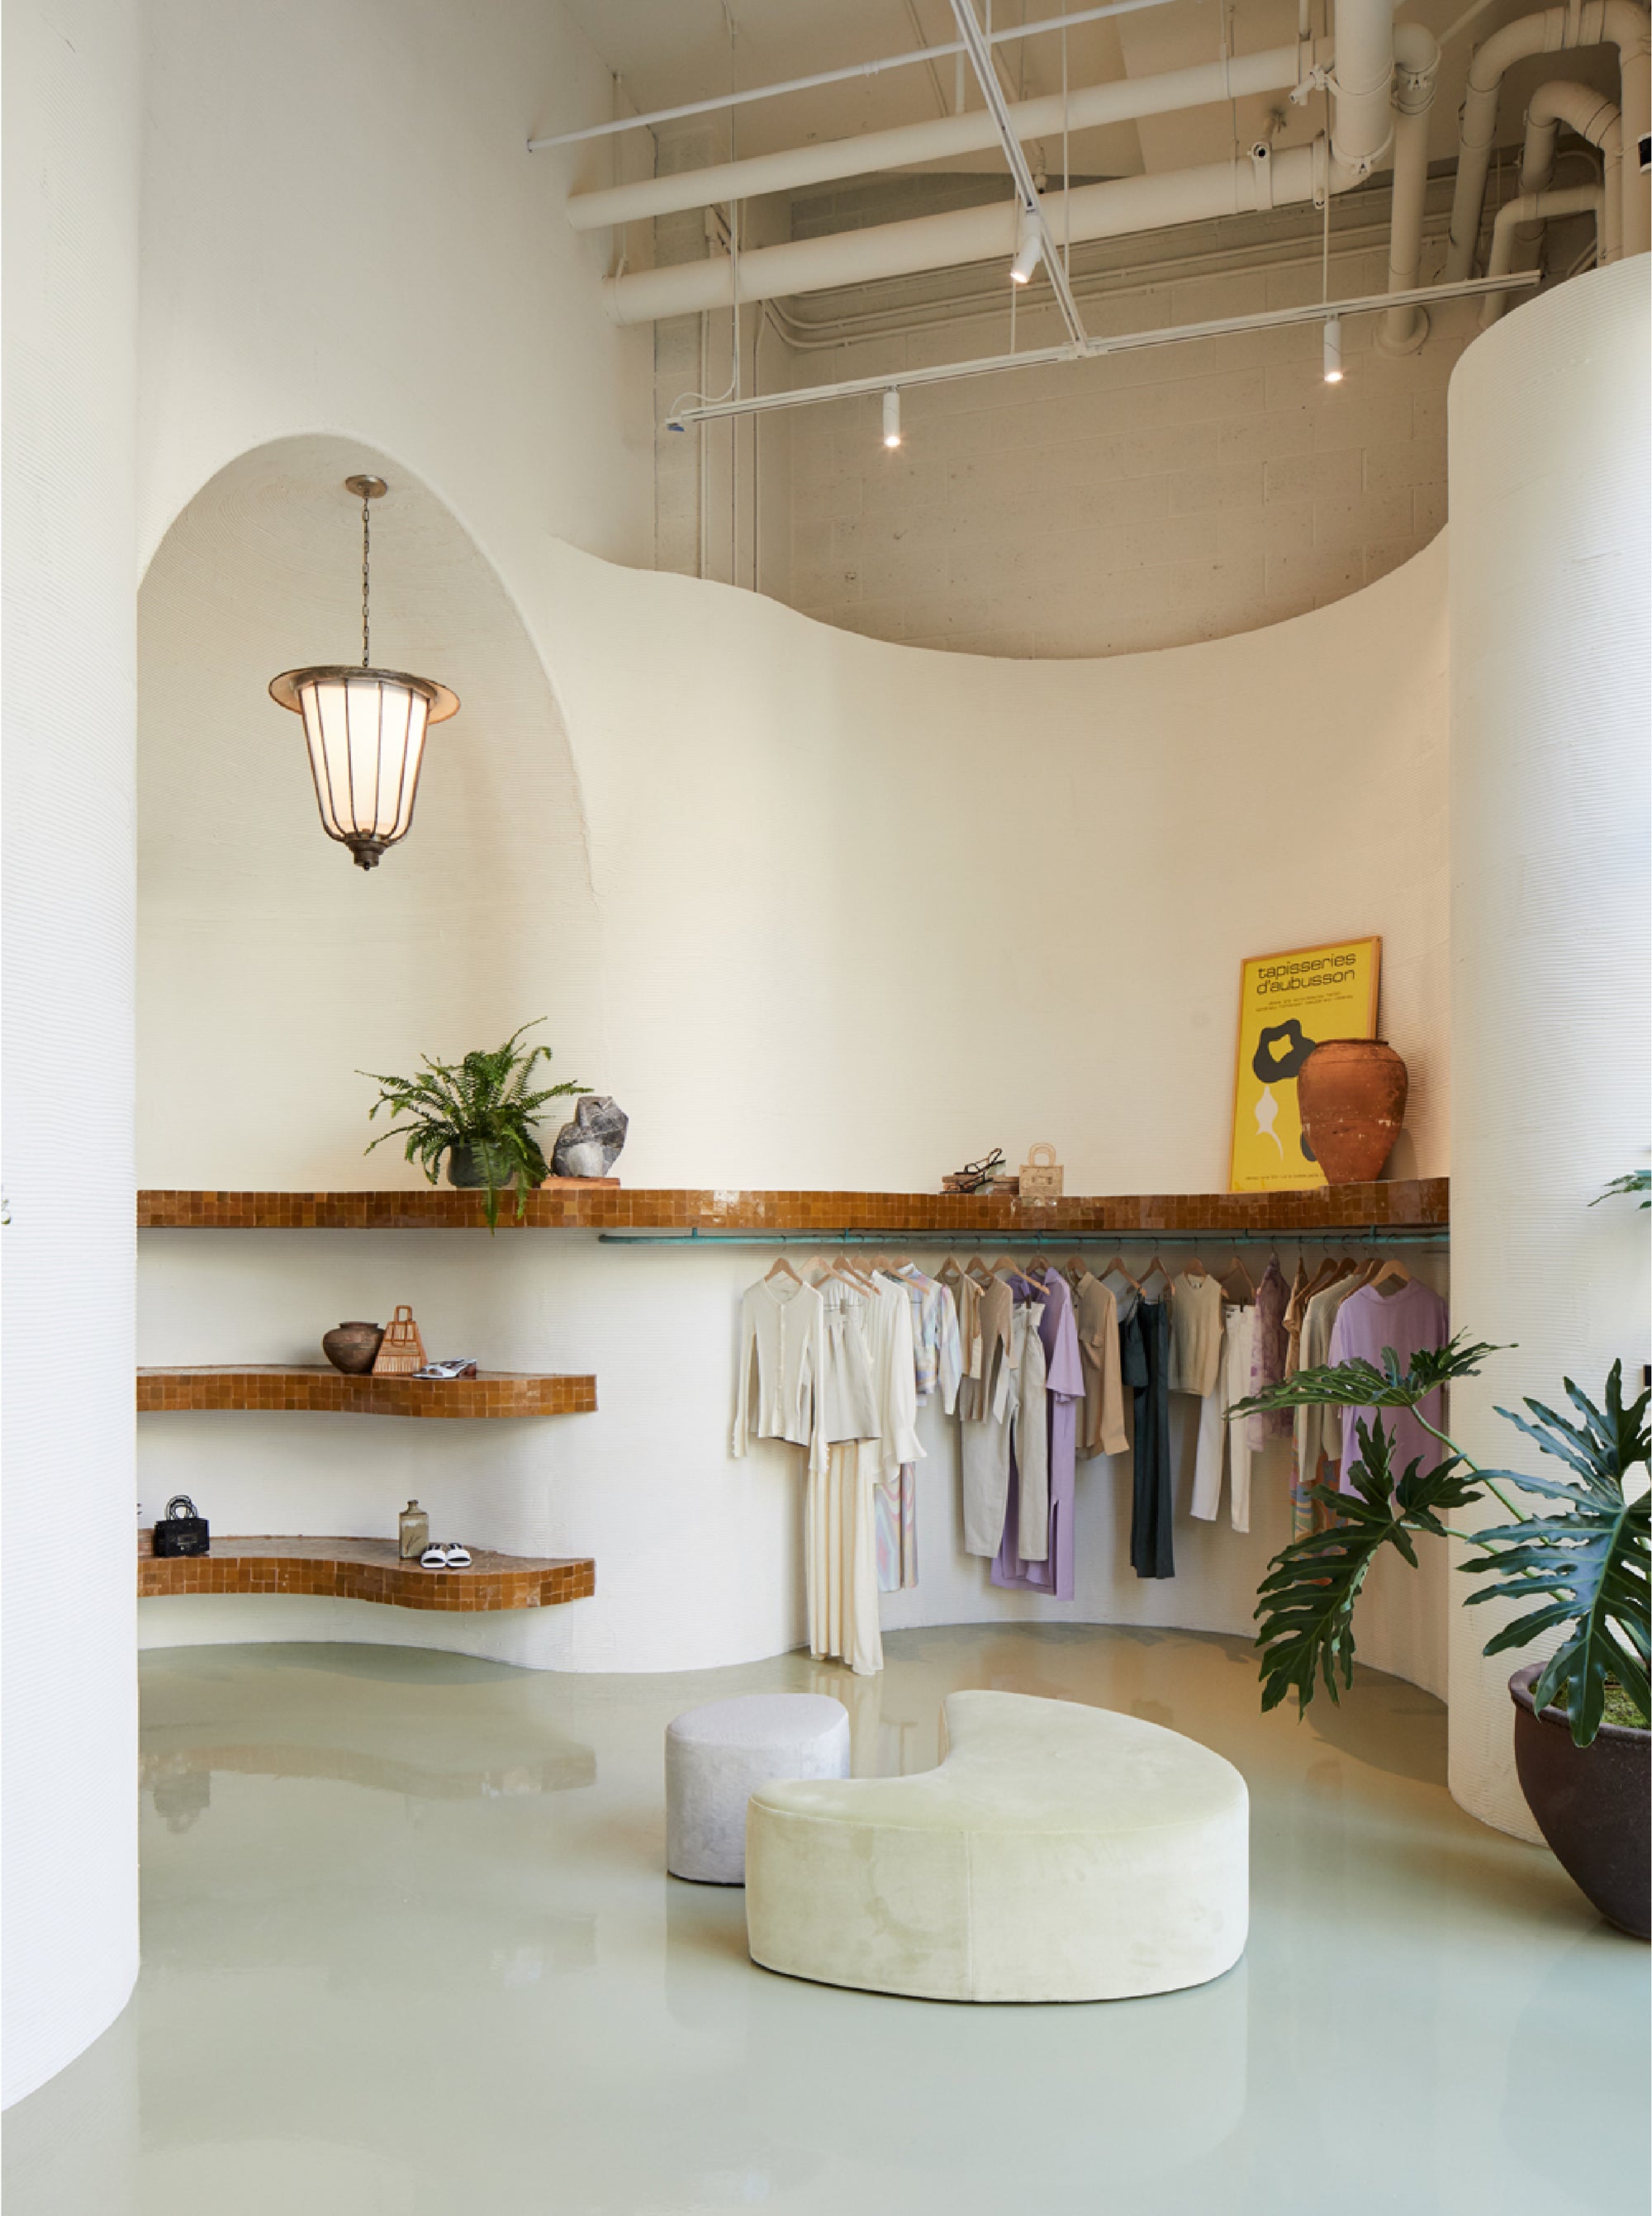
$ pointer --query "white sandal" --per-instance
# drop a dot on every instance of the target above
(458, 1558)
(433, 1557)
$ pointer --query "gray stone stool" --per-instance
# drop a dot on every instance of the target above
(717, 1756)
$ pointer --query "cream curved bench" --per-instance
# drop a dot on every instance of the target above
(1059, 1853)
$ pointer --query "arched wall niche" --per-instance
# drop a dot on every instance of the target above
(270, 968)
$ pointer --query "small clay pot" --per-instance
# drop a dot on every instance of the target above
(1351, 1098)
(353, 1347)
(1592, 1804)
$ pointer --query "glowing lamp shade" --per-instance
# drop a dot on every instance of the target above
(364, 729)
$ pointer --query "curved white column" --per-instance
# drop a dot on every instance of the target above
(70, 1666)
(1549, 940)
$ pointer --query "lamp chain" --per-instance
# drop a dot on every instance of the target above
(364, 511)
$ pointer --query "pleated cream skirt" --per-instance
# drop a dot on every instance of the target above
(840, 1559)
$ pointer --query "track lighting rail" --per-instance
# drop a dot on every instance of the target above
(835, 75)
(1090, 349)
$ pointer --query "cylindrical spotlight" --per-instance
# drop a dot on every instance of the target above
(1333, 350)
(1029, 250)
(892, 416)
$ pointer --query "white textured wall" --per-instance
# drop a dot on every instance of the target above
(72, 119)
(341, 230)
(1550, 945)
(761, 875)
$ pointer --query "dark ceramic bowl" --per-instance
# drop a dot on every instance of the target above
(354, 1347)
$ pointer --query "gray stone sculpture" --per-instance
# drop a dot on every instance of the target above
(590, 1146)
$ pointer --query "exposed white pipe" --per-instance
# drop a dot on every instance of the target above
(1416, 64)
(1592, 118)
(1531, 207)
(1112, 210)
(910, 143)
(1595, 23)
(1361, 118)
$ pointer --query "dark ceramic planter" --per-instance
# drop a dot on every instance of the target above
(1591, 1805)
(467, 1168)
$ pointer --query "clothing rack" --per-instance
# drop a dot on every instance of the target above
(1373, 1236)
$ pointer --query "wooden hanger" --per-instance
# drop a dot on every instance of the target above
(1193, 1267)
(978, 1270)
(1237, 1264)
(782, 1268)
(1117, 1265)
(1155, 1264)
(1391, 1268)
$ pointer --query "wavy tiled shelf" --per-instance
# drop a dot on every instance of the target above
(1412, 1204)
(364, 1569)
(323, 1392)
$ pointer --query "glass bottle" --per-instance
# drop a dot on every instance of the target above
(416, 1531)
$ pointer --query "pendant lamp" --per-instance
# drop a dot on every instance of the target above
(364, 728)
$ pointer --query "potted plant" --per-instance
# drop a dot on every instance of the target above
(1582, 1563)
(479, 1113)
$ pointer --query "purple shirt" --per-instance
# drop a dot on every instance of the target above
(1063, 1387)
(1408, 1320)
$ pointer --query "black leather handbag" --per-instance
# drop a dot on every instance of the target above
(180, 1532)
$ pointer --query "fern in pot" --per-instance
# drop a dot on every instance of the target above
(1577, 1568)
(479, 1114)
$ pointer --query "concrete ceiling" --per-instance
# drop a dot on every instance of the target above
(667, 51)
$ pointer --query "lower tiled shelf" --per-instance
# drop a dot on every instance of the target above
(364, 1569)
(271, 1389)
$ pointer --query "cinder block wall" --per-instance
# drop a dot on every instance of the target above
(1139, 501)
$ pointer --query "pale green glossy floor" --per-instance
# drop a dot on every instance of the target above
(409, 1948)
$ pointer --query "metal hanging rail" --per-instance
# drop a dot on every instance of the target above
(837, 76)
(977, 46)
(1374, 1236)
(1090, 349)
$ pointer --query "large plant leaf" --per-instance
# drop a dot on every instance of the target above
(1361, 1384)
(1586, 1564)
(1306, 1602)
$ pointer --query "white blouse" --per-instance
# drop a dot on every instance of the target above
(783, 1333)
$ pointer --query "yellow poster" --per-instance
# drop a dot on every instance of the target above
(1288, 1005)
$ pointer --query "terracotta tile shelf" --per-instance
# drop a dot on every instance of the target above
(365, 1569)
(1412, 1204)
(328, 1393)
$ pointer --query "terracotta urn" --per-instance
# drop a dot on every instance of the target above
(353, 1347)
(1591, 1804)
(1351, 1098)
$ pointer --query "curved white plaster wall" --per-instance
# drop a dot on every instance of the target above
(800, 959)
(1549, 944)
(70, 1687)
(343, 230)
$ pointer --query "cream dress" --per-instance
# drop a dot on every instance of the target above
(840, 1527)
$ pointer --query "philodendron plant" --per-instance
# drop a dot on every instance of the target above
(1578, 1566)
(483, 1104)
